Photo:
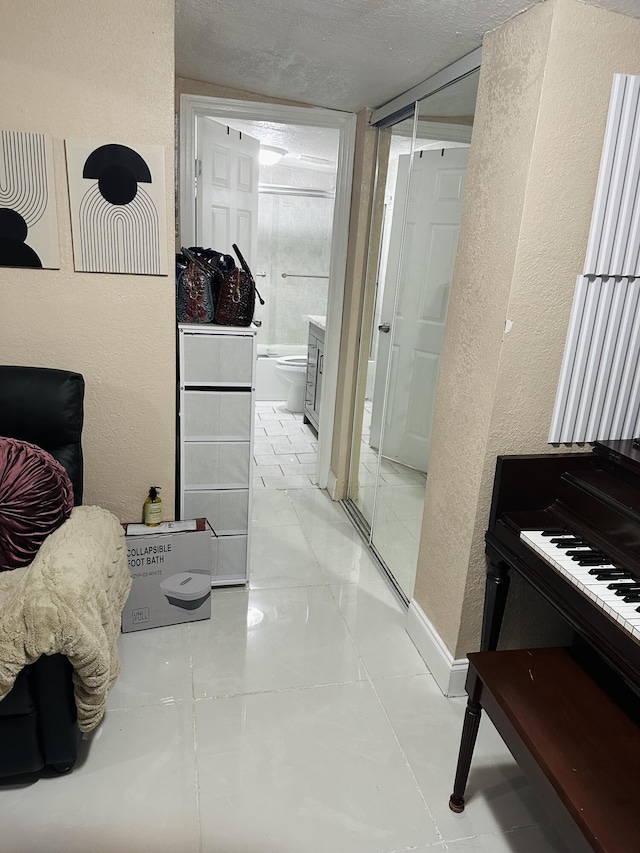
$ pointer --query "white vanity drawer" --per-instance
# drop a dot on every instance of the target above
(217, 415)
(215, 465)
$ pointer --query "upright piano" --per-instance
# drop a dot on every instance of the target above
(569, 525)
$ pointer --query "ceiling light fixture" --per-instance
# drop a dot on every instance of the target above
(270, 155)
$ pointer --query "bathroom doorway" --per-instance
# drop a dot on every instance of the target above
(299, 260)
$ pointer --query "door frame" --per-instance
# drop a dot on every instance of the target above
(192, 106)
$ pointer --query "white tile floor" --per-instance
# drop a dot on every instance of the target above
(298, 719)
(285, 449)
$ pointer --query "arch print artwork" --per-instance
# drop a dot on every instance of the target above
(28, 219)
(118, 207)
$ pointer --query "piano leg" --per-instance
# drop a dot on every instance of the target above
(472, 716)
(495, 599)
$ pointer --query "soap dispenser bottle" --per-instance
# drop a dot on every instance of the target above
(153, 508)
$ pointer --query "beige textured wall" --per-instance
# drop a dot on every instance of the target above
(104, 72)
(540, 117)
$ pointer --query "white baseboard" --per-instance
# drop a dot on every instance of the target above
(332, 485)
(449, 674)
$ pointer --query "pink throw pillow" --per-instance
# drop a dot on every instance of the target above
(36, 497)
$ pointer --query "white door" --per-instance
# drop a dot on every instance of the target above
(428, 251)
(227, 189)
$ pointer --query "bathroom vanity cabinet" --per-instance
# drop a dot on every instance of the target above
(216, 387)
(315, 366)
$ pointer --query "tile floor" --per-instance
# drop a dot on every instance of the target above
(298, 719)
(285, 449)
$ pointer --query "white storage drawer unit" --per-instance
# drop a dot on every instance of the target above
(219, 359)
(216, 367)
(221, 415)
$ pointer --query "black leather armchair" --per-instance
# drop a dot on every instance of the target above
(38, 718)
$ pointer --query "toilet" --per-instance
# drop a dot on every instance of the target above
(292, 369)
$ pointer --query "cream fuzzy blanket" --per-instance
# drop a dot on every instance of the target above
(69, 600)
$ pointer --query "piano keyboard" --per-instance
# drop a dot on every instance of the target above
(594, 578)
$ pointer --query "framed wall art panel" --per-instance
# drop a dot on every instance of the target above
(28, 218)
(118, 207)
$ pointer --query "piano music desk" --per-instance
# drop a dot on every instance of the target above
(578, 747)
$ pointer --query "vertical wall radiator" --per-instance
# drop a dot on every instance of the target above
(598, 395)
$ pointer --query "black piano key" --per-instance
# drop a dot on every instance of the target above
(554, 532)
(586, 553)
(610, 569)
(608, 575)
(566, 542)
(622, 584)
(616, 571)
(632, 598)
(629, 591)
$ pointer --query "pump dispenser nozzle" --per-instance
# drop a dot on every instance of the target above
(153, 508)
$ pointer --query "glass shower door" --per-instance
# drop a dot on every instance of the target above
(425, 162)
(377, 483)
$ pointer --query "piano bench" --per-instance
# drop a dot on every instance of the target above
(579, 748)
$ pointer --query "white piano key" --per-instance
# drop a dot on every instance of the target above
(625, 614)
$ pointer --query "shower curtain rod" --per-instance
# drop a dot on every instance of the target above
(301, 275)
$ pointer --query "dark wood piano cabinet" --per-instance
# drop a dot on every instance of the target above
(569, 717)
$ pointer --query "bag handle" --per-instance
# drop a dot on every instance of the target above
(202, 263)
(245, 267)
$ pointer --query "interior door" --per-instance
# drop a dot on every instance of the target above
(428, 250)
(227, 189)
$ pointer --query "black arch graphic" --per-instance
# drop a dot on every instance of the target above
(23, 178)
(24, 195)
(118, 170)
(119, 238)
(116, 155)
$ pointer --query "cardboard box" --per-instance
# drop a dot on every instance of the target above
(171, 570)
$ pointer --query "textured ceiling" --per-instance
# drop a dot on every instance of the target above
(342, 54)
(300, 143)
